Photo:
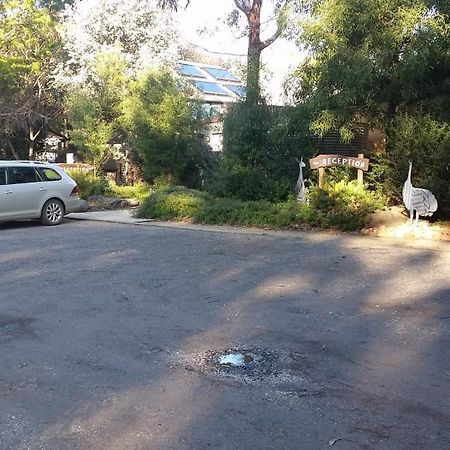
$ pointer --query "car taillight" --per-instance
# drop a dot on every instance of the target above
(75, 190)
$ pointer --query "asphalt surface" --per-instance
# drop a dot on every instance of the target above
(110, 334)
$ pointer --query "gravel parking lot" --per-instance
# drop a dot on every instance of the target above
(111, 337)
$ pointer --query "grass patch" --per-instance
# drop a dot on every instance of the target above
(138, 191)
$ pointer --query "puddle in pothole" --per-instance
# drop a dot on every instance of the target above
(248, 363)
(236, 359)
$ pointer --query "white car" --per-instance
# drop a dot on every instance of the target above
(37, 190)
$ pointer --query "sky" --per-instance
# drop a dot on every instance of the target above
(280, 57)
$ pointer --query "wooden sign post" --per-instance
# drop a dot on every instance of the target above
(322, 161)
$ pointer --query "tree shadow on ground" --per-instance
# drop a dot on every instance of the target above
(361, 328)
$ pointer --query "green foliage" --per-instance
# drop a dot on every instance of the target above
(138, 191)
(260, 147)
(29, 51)
(372, 59)
(162, 126)
(88, 183)
(246, 133)
(173, 204)
(229, 177)
(343, 206)
(94, 108)
(426, 142)
(198, 207)
(28, 39)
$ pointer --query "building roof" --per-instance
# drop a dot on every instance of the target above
(215, 84)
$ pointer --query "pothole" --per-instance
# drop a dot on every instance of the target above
(282, 370)
(238, 363)
(237, 359)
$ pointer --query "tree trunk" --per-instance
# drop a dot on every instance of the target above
(31, 151)
(32, 137)
(255, 46)
(254, 52)
(13, 150)
(253, 68)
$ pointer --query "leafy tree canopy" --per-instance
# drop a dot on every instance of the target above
(162, 126)
(137, 30)
(29, 50)
(373, 58)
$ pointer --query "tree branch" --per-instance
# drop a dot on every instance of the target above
(272, 39)
(244, 6)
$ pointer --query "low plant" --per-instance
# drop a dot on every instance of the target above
(174, 203)
(343, 206)
(137, 191)
(88, 183)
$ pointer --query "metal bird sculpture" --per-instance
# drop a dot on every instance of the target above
(300, 185)
(422, 201)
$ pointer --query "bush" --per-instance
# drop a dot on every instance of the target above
(138, 191)
(175, 203)
(343, 206)
(426, 142)
(229, 177)
(163, 127)
(260, 146)
(89, 184)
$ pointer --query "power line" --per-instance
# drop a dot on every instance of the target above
(215, 53)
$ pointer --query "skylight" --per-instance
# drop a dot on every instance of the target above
(238, 90)
(188, 69)
(221, 74)
(210, 88)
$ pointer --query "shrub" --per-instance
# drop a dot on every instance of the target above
(229, 177)
(260, 146)
(175, 203)
(426, 142)
(138, 191)
(163, 127)
(89, 184)
(344, 206)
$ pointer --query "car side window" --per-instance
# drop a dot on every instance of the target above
(25, 175)
(3, 175)
(49, 174)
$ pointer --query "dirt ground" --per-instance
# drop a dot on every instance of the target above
(111, 337)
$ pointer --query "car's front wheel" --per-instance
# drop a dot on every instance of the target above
(52, 212)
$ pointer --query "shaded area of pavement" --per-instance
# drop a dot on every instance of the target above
(124, 216)
(105, 329)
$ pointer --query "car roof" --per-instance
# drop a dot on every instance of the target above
(24, 162)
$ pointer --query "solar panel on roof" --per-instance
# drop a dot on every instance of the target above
(221, 74)
(210, 88)
(188, 69)
(238, 90)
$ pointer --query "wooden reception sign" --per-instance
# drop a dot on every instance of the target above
(322, 161)
(338, 160)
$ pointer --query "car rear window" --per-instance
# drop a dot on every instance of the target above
(3, 175)
(50, 174)
(25, 175)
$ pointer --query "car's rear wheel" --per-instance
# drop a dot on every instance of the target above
(52, 212)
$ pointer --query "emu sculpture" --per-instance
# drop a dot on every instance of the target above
(422, 201)
(300, 186)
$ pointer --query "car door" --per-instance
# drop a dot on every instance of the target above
(6, 199)
(29, 192)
